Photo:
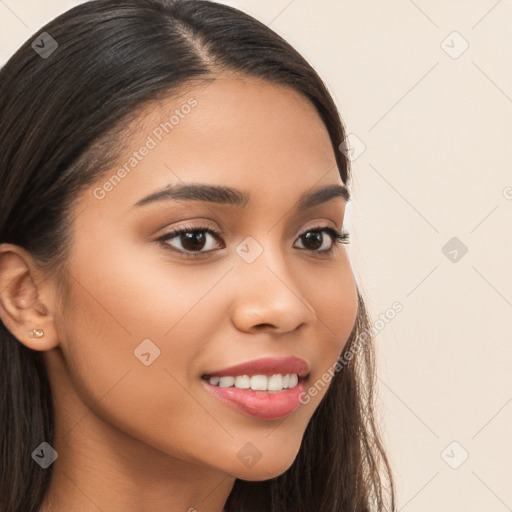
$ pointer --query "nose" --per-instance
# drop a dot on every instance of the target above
(268, 298)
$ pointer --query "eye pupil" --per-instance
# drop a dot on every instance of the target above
(194, 240)
(314, 236)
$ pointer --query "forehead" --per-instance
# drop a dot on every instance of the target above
(243, 132)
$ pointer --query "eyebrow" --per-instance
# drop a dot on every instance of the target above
(230, 196)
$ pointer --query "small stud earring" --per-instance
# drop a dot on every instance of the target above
(35, 333)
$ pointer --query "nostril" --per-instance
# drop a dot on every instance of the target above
(263, 326)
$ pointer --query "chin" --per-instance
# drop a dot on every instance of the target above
(265, 469)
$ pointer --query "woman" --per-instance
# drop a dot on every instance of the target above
(181, 328)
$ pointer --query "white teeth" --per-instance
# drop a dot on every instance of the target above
(226, 382)
(259, 382)
(276, 382)
(243, 382)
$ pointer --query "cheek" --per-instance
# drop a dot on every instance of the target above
(129, 289)
(333, 295)
(122, 314)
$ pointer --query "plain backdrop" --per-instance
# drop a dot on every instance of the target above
(425, 90)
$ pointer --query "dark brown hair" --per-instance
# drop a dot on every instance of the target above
(60, 120)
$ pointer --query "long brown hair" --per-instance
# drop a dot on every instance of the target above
(59, 117)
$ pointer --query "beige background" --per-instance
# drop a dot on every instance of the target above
(437, 131)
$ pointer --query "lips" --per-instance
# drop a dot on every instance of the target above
(261, 405)
(264, 366)
(256, 403)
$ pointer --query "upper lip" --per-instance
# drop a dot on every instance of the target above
(266, 366)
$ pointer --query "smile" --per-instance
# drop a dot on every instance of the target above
(276, 382)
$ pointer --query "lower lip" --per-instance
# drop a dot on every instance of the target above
(264, 405)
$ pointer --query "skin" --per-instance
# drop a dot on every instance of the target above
(142, 438)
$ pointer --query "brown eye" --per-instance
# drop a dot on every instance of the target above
(192, 240)
(314, 239)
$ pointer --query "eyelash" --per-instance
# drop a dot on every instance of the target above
(342, 237)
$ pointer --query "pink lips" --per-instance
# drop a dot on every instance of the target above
(265, 405)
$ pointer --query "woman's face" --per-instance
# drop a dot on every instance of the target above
(147, 318)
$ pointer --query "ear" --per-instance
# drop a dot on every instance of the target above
(26, 298)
